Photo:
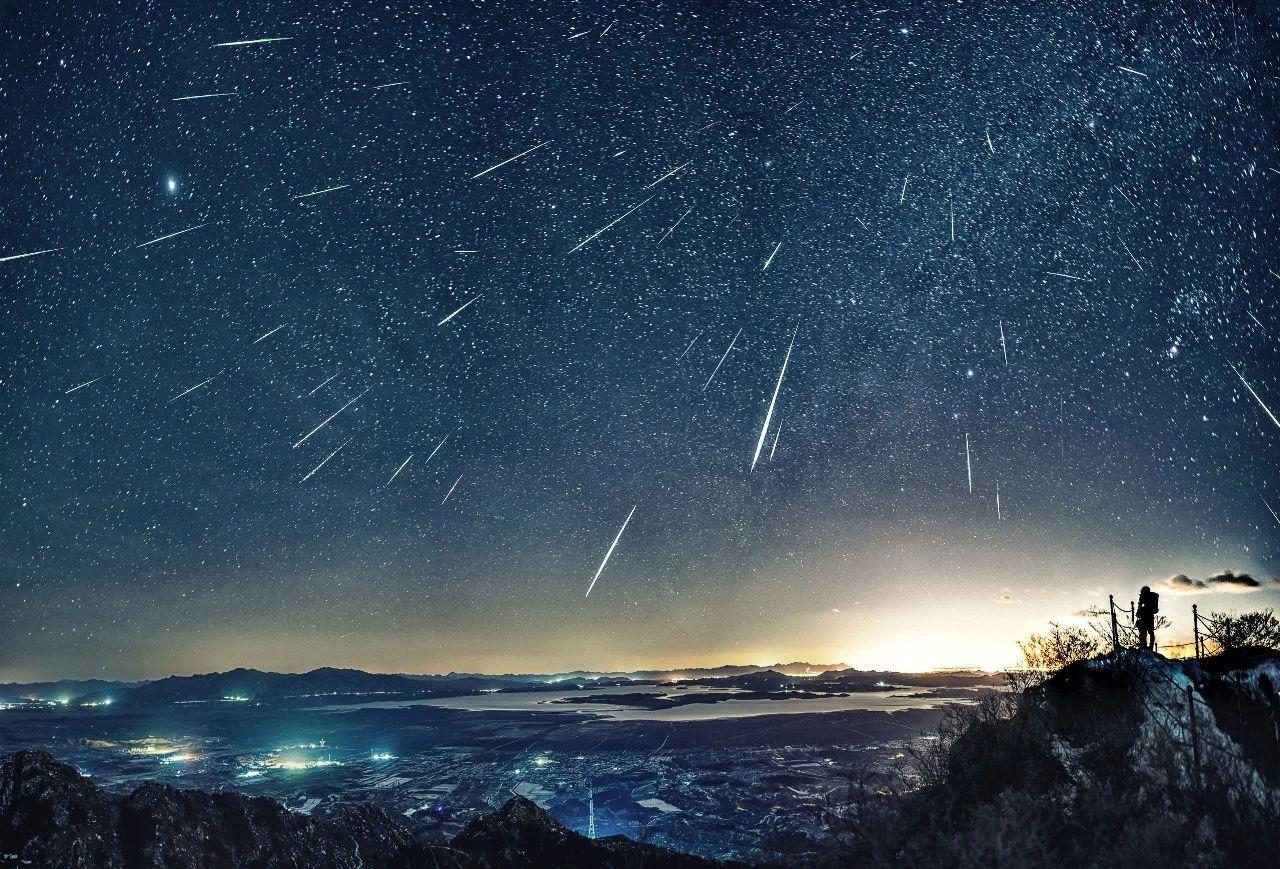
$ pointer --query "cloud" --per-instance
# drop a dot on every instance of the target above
(1225, 581)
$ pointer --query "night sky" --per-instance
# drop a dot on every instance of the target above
(1050, 230)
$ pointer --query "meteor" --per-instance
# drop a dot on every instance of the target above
(1134, 72)
(172, 235)
(82, 385)
(674, 225)
(267, 335)
(606, 228)
(1131, 256)
(1003, 347)
(5, 259)
(437, 449)
(322, 383)
(325, 190)
(612, 546)
(460, 310)
(1065, 275)
(1273, 513)
(771, 256)
(968, 462)
(252, 41)
(691, 343)
(206, 96)
(191, 390)
(776, 433)
(668, 175)
(325, 462)
(398, 470)
(1255, 395)
(721, 362)
(451, 488)
(508, 160)
(330, 419)
(768, 417)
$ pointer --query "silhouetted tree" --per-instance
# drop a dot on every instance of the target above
(1233, 631)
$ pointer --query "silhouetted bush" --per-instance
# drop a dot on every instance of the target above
(1237, 631)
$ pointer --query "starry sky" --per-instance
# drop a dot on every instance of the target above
(353, 335)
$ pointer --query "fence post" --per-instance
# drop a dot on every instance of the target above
(1195, 623)
(1115, 632)
(1195, 739)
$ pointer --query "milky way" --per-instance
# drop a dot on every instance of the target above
(565, 252)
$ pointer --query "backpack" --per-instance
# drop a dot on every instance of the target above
(1153, 602)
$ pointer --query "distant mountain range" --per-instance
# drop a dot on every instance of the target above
(245, 685)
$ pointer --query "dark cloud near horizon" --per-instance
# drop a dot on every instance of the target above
(1227, 580)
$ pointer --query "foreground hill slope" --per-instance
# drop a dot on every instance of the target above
(1116, 761)
(51, 816)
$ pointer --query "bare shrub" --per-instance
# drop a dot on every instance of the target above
(1233, 631)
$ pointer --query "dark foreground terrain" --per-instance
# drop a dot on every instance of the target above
(52, 816)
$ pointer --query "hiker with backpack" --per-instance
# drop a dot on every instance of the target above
(1148, 606)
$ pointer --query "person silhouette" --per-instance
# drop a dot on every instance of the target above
(1148, 606)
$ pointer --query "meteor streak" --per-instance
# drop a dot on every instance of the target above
(771, 256)
(82, 385)
(508, 160)
(451, 488)
(192, 389)
(607, 227)
(252, 41)
(674, 225)
(691, 343)
(968, 462)
(776, 433)
(330, 419)
(1131, 256)
(1255, 395)
(1274, 515)
(325, 190)
(1003, 347)
(612, 546)
(325, 462)
(1065, 275)
(206, 96)
(398, 470)
(5, 259)
(172, 235)
(267, 335)
(721, 362)
(460, 310)
(668, 175)
(438, 446)
(322, 383)
(768, 417)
